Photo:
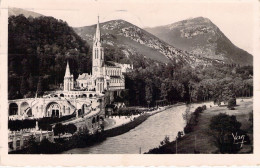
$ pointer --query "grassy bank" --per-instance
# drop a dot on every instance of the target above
(200, 140)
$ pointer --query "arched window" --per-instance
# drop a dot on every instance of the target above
(13, 109)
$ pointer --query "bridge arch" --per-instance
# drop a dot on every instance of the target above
(53, 109)
(25, 109)
(13, 109)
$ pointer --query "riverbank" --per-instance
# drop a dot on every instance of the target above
(142, 137)
(126, 126)
(200, 141)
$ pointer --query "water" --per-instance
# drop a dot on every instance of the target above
(146, 136)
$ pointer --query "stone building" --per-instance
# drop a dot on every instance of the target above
(106, 76)
(18, 140)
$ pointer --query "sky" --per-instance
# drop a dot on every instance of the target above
(234, 18)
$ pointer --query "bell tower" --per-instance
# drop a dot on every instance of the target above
(68, 79)
(97, 53)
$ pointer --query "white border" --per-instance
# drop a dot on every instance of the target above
(125, 159)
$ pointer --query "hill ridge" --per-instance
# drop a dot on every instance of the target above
(201, 36)
(125, 35)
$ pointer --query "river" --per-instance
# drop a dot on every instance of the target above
(146, 136)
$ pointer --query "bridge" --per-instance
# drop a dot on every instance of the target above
(52, 106)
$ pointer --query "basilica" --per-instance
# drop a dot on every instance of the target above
(105, 76)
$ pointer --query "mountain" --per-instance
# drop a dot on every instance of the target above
(201, 37)
(133, 41)
(19, 11)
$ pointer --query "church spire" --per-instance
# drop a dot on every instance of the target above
(67, 73)
(98, 34)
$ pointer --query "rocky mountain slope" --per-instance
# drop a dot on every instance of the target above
(201, 37)
(132, 40)
(19, 11)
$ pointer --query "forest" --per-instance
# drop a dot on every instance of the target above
(38, 49)
(181, 83)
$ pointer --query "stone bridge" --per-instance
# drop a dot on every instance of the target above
(52, 106)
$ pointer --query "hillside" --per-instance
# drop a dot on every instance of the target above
(19, 11)
(134, 41)
(39, 48)
(201, 37)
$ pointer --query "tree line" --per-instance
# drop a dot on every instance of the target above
(174, 83)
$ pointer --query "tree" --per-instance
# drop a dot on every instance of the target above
(186, 114)
(58, 129)
(40, 87)
(166, 141)
(231, 103)
(47, 147)
(70, 128)
(12, 93)
(32, 146)
(31, 83)
(24, 87)
(222, 127)
(148, 93)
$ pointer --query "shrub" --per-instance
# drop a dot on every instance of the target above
(166, 141)
(45, 123)
(231, 103)
(180, 134)
(70, 128)
(126, 111)
(223, 126)
(198, 110)
(16, 125)
(188, 128)
(58, 129)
